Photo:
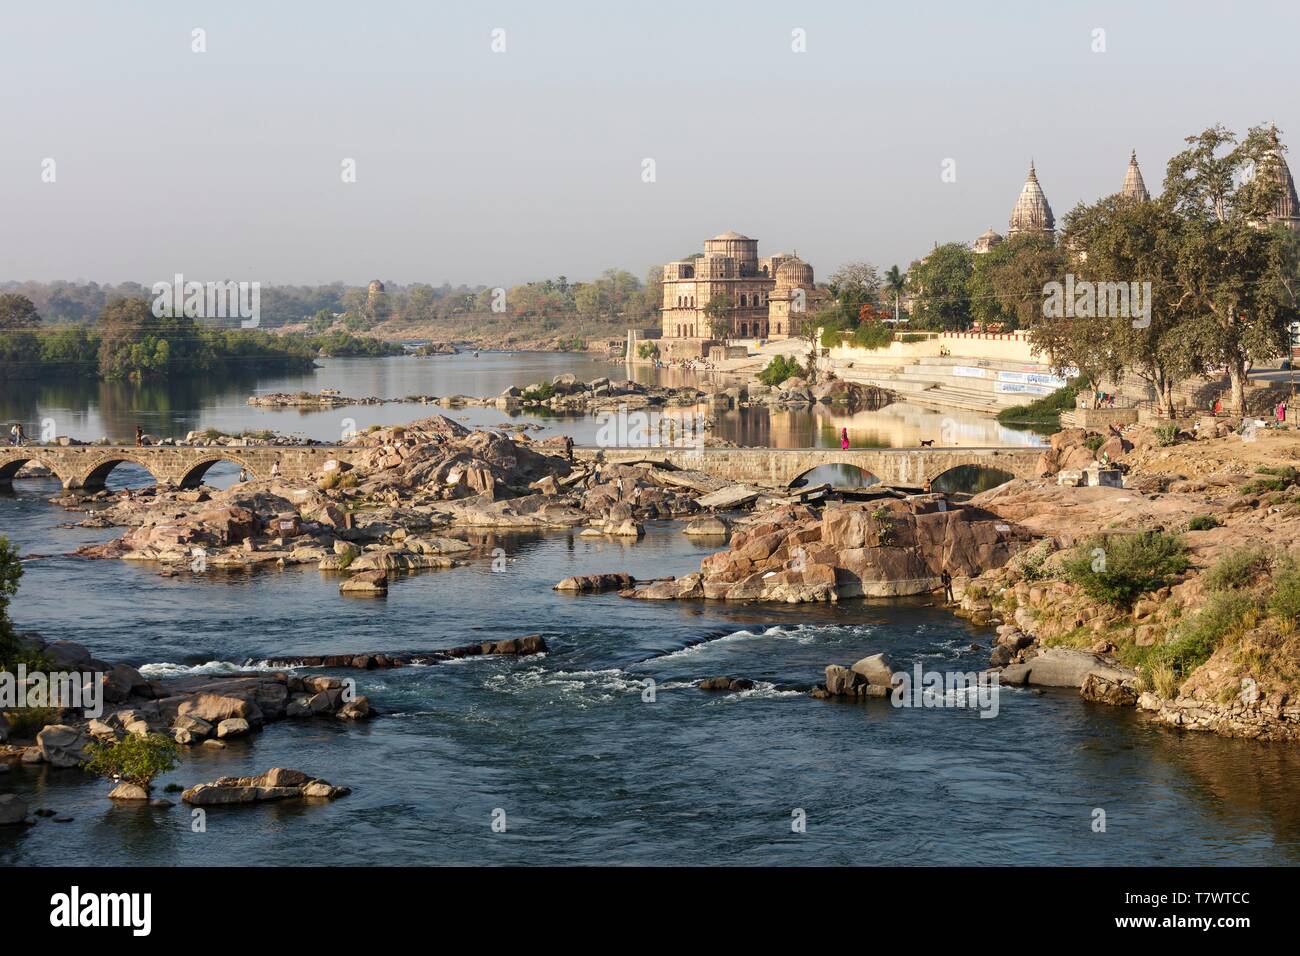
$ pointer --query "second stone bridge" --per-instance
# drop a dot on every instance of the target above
(906, 467)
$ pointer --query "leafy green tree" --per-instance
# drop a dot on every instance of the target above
(1006, 283)
(11, 570)
(136, 760)
(939, 286)
(1237, 278)
(1119, 568)
(17, 312)
(895, 282)
(717, 312)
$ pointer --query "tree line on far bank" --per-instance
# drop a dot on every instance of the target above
(128, 342)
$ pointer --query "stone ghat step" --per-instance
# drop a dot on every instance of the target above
(382, 660)
(946, 398)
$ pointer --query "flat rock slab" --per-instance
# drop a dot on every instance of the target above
(1062, 667)
(732, 497)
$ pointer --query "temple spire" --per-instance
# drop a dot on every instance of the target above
(1135, 189)
(1032, 214)
(1286, 209)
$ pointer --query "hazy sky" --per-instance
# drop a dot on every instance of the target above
(494, 168)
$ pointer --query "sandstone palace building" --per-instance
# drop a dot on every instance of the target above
(753, 298)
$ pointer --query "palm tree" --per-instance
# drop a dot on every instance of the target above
(895, 280)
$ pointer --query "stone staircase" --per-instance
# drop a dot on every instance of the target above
(932, 381)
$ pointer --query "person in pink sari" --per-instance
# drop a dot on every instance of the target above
(844, 438)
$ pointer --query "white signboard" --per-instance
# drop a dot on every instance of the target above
(1018, 388)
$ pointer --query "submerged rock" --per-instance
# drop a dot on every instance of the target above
(593, 583)
(278, 783)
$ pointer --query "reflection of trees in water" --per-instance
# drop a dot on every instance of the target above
(970, 479)
(166, 406)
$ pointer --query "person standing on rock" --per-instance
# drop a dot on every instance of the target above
(139, 435)
(844, 439)
(568, 447)
(946, 580)
(275, 469)
(243, 475)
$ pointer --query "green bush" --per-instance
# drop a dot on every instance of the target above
(26, 722)
(1200, 636)
(13, 651)
(541, 393)
(779, 369)
(873, 335)
(1237, 569)
(1203, 523)
(1093, 442)
(1286, 472)
(1167, 434)
(135, 759)
(1285, 600)
(1046, 409)
(1119, 568)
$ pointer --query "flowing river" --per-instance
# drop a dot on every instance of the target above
(583, 765)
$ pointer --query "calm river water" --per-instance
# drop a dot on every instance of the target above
(584, 768)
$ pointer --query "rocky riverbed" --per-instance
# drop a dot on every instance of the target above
(415, 496)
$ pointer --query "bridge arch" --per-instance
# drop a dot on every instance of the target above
(970, 477)
(13, 463)
(843, 474)
(193, 477)
(96, 474)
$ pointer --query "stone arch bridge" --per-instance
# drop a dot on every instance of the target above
(88, 466)
(907, 467)
(183, 466)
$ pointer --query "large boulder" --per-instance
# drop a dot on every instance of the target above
(13, 810)
(214, 708)
(366, 582)
(877, 669)
(840, 681)
(62, 746)
(123, 681)
(592, 583)
(128, 791)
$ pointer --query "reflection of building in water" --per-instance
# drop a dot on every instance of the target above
(758, 297)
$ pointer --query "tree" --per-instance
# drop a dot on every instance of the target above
(1236, 277)
(17, 312)
(939, 288)
(717, 312)
(1006, 283)
(1130, 250)
(12, 653)
(134, 759)
(895, 281)
(852, 286)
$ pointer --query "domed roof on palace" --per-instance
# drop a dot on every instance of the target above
(794, 273)
(730, 234)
